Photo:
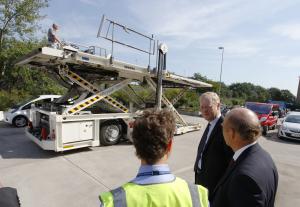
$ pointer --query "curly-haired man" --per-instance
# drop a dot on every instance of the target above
(154, 184)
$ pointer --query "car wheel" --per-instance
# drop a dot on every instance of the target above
(265, 130)
(280, 137)
(110, 133)
(20, 121)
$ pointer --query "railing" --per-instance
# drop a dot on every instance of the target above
(95, 50)
(109, 35)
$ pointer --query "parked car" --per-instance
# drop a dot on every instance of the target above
(19, 114)
(282, 107)
(266, 113)
(290, 127)
(224, 109)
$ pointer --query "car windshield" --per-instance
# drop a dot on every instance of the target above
(259, 108)
(16, 106)
(293, 119)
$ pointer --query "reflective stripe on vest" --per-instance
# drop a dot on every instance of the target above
(119, 196)
(194, 195)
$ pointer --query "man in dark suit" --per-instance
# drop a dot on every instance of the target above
(252, 178)
(213, 154)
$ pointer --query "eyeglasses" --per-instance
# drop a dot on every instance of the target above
(206, 107)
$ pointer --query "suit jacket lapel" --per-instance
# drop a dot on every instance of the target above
(237, 162)
(199, 149)
(214, 131)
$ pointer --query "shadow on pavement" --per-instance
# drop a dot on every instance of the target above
(15, 144)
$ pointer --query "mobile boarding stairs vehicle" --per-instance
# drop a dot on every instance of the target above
(94, 111)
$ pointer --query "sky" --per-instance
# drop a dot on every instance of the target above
(261, 38)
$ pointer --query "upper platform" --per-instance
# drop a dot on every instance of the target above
(102, 65)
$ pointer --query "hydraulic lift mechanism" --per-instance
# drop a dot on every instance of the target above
(89, 114)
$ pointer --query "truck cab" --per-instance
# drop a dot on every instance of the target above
(267, 114)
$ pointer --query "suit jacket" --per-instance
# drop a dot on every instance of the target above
(215, 159)
(251, 181)
(9, 197)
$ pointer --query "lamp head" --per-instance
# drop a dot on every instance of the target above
(163, 48)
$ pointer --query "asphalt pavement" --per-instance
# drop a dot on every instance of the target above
(76, 178)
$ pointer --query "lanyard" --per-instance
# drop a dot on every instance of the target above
(153, 173)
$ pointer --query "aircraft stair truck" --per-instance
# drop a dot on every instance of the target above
(89, 114)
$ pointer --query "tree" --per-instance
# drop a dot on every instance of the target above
(287, 96)
(199, 77)
(18, 24)
(18, 21)
(275, 94)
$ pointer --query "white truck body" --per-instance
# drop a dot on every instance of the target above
(68, 132)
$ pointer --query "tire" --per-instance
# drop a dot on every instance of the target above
(20, 121)
(279, 137)
(110, 133)
(265, 130)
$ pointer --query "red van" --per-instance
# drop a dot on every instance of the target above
(267, 114)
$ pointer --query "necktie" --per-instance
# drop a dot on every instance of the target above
(202, 145)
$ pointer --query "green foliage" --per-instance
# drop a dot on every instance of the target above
(18, 22)
(19, 17)
(281, 95)
(24, 82)
(8, 99)
(287, 96)
(171, 93)
(239, 93)
(233, 101)
(249, 92)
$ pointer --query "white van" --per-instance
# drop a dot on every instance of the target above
(19, 114)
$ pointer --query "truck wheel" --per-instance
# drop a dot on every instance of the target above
(110, 133)
(265, 130)
(20, 121)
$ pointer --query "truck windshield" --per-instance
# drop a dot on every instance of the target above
(293, 119)
(259, 108)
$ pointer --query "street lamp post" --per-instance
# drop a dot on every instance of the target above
(221, 48)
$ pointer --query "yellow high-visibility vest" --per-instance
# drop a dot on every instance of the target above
(177, 193)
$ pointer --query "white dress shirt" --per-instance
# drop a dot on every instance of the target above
(212, 126)
(241, 150)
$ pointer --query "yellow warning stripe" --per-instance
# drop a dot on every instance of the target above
(68, 146)
(82, 81)
(115, 103)
(108, 99)
(84, 105)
